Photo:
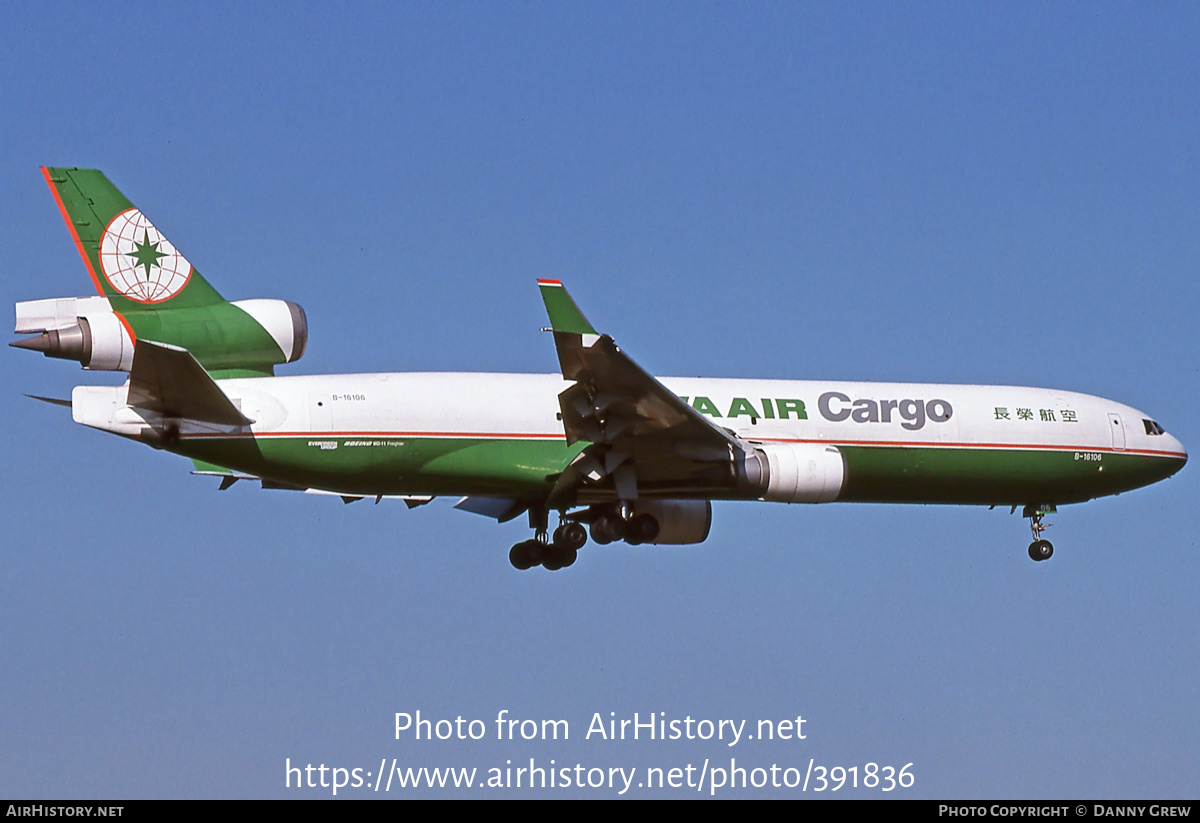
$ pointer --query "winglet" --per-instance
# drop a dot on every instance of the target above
(565, 316)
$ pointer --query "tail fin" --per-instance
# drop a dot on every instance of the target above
(131, 262)
(149, 291)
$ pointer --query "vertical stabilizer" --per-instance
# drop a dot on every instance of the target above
(148, 291)
(130, 261)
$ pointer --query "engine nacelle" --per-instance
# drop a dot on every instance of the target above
(109, 347)
(250, 334)
(97, 342)
(680, 522)
(794, 472)
(284, 321)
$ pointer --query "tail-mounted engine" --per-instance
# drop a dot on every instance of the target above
(84, 329)
(247, 334)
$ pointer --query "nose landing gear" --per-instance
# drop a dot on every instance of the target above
(1039, 549)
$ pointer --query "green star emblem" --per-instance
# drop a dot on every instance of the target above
(146, 253)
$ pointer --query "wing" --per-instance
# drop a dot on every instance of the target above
(644, 438)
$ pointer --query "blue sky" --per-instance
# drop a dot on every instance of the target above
(944, 193)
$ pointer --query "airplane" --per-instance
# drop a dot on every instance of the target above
(618, 454)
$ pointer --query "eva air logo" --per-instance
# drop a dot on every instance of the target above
(139, 262)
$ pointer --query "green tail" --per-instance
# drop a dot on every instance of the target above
(131, 262)
(157, 293)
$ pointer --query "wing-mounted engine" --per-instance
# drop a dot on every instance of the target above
(246, 334)
(680, 522)
(794, 472)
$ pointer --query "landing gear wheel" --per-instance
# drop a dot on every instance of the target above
(552, 558)
(558, 557)
(520, 557)
(1041, 550)
(605, 530)
(571, 536)
(526, 554)
(641, 529)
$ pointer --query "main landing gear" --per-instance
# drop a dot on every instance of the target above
(609, 523)
(620, 523)
(1039, 549)
(555, 554)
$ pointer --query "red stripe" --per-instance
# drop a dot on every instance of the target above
(71, 226)
(549, 282)
(529, 436)
(1019, 446)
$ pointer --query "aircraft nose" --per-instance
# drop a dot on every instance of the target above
(1177, 446)
(1173, 445)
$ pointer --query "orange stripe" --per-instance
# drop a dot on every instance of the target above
(71, 226)
(128, 328)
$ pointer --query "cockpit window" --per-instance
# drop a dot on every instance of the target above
(1152, 427)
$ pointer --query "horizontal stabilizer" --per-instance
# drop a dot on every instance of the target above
(168, 380)
(54, 401)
